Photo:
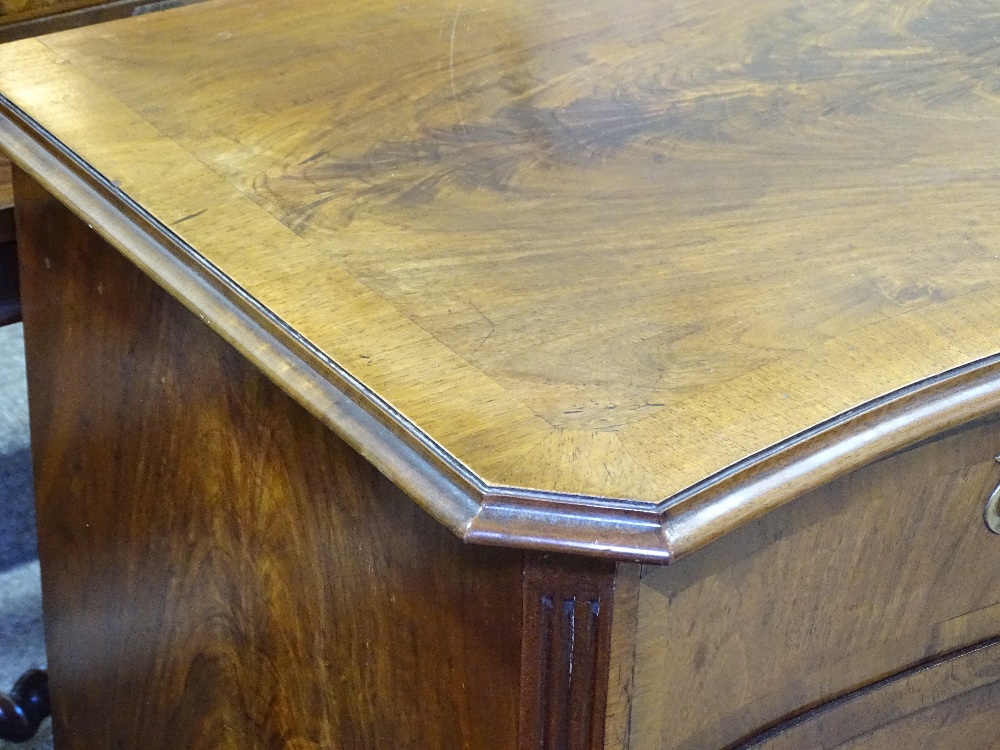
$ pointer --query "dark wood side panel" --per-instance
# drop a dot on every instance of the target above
(48, 16)
(219, 570)
(949, 702)
(565, 658)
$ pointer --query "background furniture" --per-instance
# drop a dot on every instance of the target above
(25, 18)
(514, 376)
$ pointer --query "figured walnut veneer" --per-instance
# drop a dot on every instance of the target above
(599, 260)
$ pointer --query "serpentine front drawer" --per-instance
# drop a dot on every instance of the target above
(873, 574)
(948, 702)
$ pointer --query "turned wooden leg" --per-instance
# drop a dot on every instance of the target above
(24, 709)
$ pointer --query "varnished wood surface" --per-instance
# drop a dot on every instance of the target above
(875, 573)
(606, 253)
(220, 570)
(947, 703)
(966, 721)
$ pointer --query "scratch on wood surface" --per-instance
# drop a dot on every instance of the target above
(492, 325)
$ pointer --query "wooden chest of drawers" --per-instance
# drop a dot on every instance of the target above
(513, 375)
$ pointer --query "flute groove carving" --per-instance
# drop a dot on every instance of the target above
(565, 657)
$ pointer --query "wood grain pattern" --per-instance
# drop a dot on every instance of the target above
(967, 721)
(872, 574)
(445, 488)
(240, 577)
(621, 664)
(947, 703)
(618, 279)
(597, 253)
(568, 608)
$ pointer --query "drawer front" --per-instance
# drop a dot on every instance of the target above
(879, 571)
(947, 704)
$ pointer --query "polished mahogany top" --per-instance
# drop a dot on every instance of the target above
(629, 256)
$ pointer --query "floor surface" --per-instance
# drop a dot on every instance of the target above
(21, 639)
